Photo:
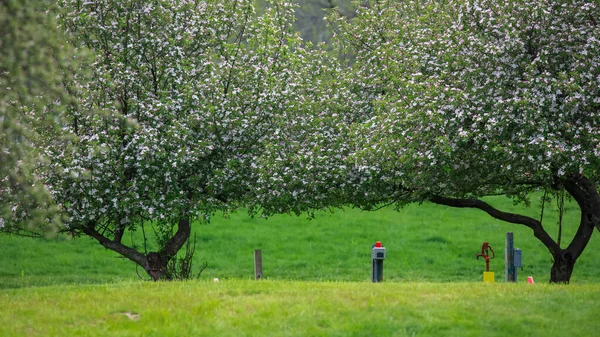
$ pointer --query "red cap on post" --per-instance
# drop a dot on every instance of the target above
(378, 244)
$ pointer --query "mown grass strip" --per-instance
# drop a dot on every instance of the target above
(282, 308)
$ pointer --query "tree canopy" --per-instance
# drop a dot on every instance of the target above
(483, 98)
(185, 95)
(451, 101)
(309, 17)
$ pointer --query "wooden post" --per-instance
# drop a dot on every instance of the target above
(509, 256)
(258, 274)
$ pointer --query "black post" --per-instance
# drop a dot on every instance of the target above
(377, 275)
(377, 257)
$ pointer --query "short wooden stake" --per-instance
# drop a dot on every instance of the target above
(258, 274)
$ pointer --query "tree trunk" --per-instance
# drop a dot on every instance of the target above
(586, 195)
(154, 263)
(562, 268)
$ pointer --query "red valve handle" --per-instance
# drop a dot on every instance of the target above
(485, 253)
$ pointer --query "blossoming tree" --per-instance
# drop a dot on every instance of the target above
(478, 98)
(184, 95)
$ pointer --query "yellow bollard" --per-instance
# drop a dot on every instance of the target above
(488, 277)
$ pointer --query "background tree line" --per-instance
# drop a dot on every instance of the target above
(310, 14)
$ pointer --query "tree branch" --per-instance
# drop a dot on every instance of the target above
(176, 242)
(119, 231)
(118, 247)
(535, 225)
(581, 188)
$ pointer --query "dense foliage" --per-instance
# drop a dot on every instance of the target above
(32, 69)
(486, 99)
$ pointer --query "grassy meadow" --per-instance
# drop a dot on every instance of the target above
(316, 280)
(425, 243)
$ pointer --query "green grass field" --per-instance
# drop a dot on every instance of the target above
(316, 281)
(292, 308)
(426, 243)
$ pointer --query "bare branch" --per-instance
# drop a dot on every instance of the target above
(118, 247)
(535, 225)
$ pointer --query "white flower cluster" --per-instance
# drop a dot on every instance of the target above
(182, 98)
(450, 98)
(479, 97)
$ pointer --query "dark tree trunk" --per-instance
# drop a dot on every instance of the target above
(154, 263)
(562, 268)
(586, 195)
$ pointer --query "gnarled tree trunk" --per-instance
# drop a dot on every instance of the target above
(562, 268)
(154, 263)
(586, 195)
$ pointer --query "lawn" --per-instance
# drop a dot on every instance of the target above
(426, 243)
(294, 308)
(316, 280)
